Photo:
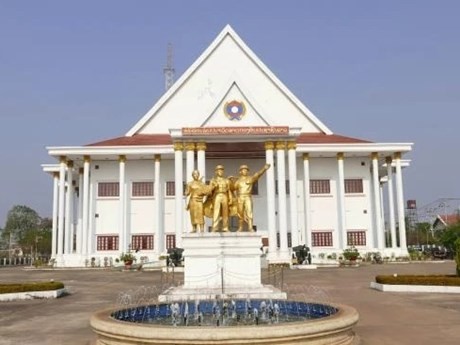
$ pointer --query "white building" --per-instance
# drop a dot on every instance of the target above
(227, 108)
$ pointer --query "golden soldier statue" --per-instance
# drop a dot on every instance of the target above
(243, 188)
(197, 192)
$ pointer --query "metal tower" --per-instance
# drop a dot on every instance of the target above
(169, 69)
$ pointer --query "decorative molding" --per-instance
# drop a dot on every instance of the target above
(340, 156)
(122, 158)
(86, 159)
(269, 145)
(291, 145)
(374, 155)
(306, 156)
(62, 159)
(280, 145)
(178, 146)
(397, 155)
(201, 146)
(196, 131)
(157, 158)
(189, 146)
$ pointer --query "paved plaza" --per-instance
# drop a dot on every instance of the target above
(385, 318)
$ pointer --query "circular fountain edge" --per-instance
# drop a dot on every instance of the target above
(336, 329)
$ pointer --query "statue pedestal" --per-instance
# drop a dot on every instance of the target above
(222, 265)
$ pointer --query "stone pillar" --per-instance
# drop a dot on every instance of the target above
(190, 166)
(124, 240)
(391, 205)
(79, 212)
(179, 191)
(382, 215)
(376, 191)
(342, 231)
(306, 195)
(55, 214)
(61, 213)
(292, 162)
(271, 209)
(282, 213)
(85, 195)
(159, 229)
(201, 159)
(400, 203)
(68, 233)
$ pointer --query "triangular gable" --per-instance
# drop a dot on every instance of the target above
(236, 108)
(194, 100)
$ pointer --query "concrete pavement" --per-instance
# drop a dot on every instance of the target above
(385, 318)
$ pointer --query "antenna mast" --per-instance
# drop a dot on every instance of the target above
(169, 69)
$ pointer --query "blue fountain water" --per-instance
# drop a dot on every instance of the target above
(238, 312)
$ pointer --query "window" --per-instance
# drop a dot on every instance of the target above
(142, 189)
(170, 241)
(108, 189)
(354, 185)
(107, 243)
(286, 184)
(320, 187)
(356, 238)
(171, 188)
(139, 242)
(321, 239)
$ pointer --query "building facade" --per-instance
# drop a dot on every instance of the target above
(324, 190)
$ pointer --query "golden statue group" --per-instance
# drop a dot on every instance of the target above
(216, 200)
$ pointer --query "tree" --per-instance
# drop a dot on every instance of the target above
(23, 227)
(449, 236)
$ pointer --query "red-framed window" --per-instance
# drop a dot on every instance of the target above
(108, 189)
(170, 241)
(354, 185)
(356, 238)
(171, 188)
(321, 239)
(105, 242)
(320, 187)
(142, 242)
(142, 189)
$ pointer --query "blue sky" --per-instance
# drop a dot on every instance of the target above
(76, 72)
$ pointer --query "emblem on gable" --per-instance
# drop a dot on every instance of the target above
(235, 110)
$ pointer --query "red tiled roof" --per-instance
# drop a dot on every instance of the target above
(321, 138)
(137, 140)
(165, 139)
(450, 219)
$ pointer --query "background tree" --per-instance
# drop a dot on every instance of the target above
(448, 237)
(25, 228)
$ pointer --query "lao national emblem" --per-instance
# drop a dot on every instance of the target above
(234, 110)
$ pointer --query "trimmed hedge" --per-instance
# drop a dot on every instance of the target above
(437, 280)
(33, 286)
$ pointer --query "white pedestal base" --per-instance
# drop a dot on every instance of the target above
(221, 265)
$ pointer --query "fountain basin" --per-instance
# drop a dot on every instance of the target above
(333, 329)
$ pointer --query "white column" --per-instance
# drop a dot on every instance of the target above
(342, 231)
(292, 162)
(159, 229)
(271, 209)
(190, 166)
(55, 214)
(282, 212)
(179, 191)
(306, 195)
(80, 211)
(201, 159)
(68, 233)
(376, 191)
(85, 195)
(400, 201)
(62, 171)
(391, 205)
(124, 240)
(382, 217)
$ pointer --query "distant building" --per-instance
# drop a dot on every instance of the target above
(323, 189)
(443, 221)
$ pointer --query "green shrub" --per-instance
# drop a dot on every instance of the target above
(437, 280)
(33, 286)
(457, 255)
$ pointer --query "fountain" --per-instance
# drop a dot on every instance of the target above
(223, 301)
